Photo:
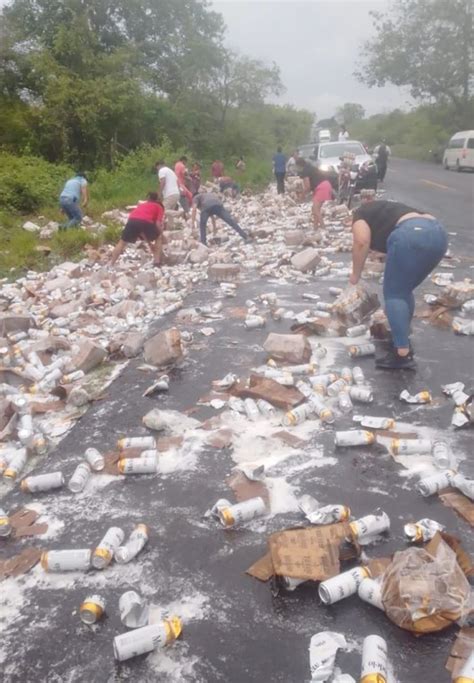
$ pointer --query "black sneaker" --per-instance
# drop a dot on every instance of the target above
(393, 361)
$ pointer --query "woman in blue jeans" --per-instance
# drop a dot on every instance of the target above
(415, 243)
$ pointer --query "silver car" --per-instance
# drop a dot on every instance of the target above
(327, 157)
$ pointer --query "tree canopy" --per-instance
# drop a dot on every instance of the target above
(350, 112)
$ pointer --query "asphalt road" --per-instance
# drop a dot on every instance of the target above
(235, 629)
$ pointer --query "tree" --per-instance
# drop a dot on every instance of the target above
(426, 45)
(349, 113)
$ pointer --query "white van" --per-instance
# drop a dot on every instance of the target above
(459, 153)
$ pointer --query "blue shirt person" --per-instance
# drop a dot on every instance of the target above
(279, 169)
(75, 190)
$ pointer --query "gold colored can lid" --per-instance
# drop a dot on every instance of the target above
(24, 485)
(353, 527)
(346, 513)
(226, 516)
(366, 571)
(463, 679)
(143, 528)
(373, 678)
(103, 552)
(391, 423)
(121, 465)
(4, 521)
(120, 443)
(370, 437)
(425, 395)
(44, 561)
(92, 607)
(271, 363)
(10, 474)
(395, 445)
(173, 628)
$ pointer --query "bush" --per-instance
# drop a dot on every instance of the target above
(69, 244)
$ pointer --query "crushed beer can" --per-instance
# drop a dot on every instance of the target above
(95, 459)
(374, 660)
(242, 512)
(92, 609)
(362, 394)
(410, 446)
(105, 551)
(42, 482)
(422, 531)
(5, 526)
(329, 514)
(358, 350)
(450, 389)
(322, 654)
(66, 560)
(146, 639)
(251, 409)
(134, 610)
(370, 591)
(428, 486)
(342, 586)
(161, 384)
(420, 397)
(462, 326)
(354, 437)
(135, 543)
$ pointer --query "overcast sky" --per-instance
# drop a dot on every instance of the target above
(315, 43)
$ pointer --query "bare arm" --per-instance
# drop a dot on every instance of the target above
(360, 249)
(162, 186)
(85, 195)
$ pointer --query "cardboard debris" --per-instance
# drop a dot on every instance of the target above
(306, 260)
(460, 503)
(23, 523)
(268, 389)
(378, 565)
(90, 355)
(291, 348)
(322, 327)
(165, 443)
(220, 439)
(262, 569)
(21, 563)
(245, 488)
(462, 648)
(355, 305)
(289, 438)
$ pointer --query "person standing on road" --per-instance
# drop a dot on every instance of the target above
(211, 206)
(279, 169)
(316, 182)
(75, 190)
(382, 153)
(415, 242)
(217, 169)
(168, 185)
(181, 172)
(343, 134)
(146, 223)
(291, 164)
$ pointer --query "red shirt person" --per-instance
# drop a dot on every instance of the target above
(144, 222)
(217, 169)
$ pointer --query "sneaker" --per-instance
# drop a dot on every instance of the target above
(392, 361)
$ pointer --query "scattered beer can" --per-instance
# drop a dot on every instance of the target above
(356, 331)
(324, 413)
(289, 583)
(92, 609)
(297, 415)
(466, 673)
(344, 402)
(146, 639)
(420, 397)
(136, 542)
(358, 350)
(16, 464)
(72, 377)
(329, 514)
(358, 375)
(254, 321)
(242, 512)
(265, 407)
(443, 456)
(236, 404)
(136, 442)
(336, 387)
(370, 525)
(374, 660)
(361, 394)
(80, 477)
(134, 610)
(42, 482)
(462, 326)
(304, 369)
(95, 459)
(142, 465)
(428, 486)
(342, 586)
(354, 437)
(335, 291)
(251, 409)
(66, 560)
(370, 591)
(323, 306)
(103, 554)
(5, 458)
(346, 375)
(422, 531)
(410, 446)
(5, 526)
(377, 422)
(464, 485)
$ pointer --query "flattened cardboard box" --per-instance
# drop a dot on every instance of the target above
(460, 503)
(462, 648)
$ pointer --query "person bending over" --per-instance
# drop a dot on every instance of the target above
(211, 206)
(316, 182)
(146, 223)
(415, 242)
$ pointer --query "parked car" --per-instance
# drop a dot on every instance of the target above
(459, 153)
(327, 157)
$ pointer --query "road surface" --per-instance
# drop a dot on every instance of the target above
(235, 629)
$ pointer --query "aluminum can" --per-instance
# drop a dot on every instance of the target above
(16, 337)
(103, 554)
(410, 446)
(307, 296)
(357, 350)
(336, 387)
(92, 609)
(354, 437)
(344, 402)
(137, 442)
(146, 639)
(346, 375)
(358, 375)
(468, 306)
(16, 464)
(5, 526)
(361, 394)
(323, 306)
(420, 397)
(377, 422)
(461, 326)
(436, 482)
(236, 404)
(94, 459)
(136, 542)
(72, 377)
(252, 322)
(464, 485)
(251, 409)
(79, 478)
(66, 560)
(356, 331)
(242, 512)
(265, 407)
(335, 291)
(297, 415)
(134, 610)
(459, 397)
(422, 531)
(321, 382)
(370, 525)
(304, 369)
(329, 514)
(290, 584)
(304, 387)
(342, 586)
(319, 352)
(25, 428)
(443, 456)
(466, 674)
(5, 458)
(371, 591)
(42, 482)
(38, 444)
(147, 465)
(324, 413)
(374, 660)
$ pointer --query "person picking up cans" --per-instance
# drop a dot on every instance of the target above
(415, 242)
(146, 223)
(211, 206)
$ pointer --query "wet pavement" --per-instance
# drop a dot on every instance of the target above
(234, 628)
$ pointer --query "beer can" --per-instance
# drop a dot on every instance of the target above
(436, 482)
(466, 674)
(146, 639)
(254, 321)
(377, 422)
(371, 591)
(142, 465)
(361, 394)
(307, 296)
(72, 377)
(344, 402)
(251, 409)
(459, 397)
(354, 437)
(341, 586)
(357, 350)
(25, 428)
(16, 464)
(265, 407)
(358, 375)
(329, 514)
(420, 397)
(356, 331)
(103, 554)
(410, 446)
(135, 543)
(136, 442)
(370, 525)
(346, 375)
(297, 415)
(304, 369)
(236, 404)
(324, 413)
(464, 485)
(5, 458)
(468, 306)
(323, 306)
(422, 531)
(66, 560)
(5, 526)
(335, 291)
(319, 314)
(304, 387)
(242, 512)
(134, 610)
(442, 455)
(91, 609)
(336, 387)
(319, 352)
(289, 583)
(80, 477)
(95, 459)
(38, 444)
(462, 326)
(42, 482)
(374, 660)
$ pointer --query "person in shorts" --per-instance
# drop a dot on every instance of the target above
(168, 185)
(145, 223)
(316, 182)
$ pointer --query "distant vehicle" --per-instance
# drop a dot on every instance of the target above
(324, 135)
(327, 157)
(459, 153)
